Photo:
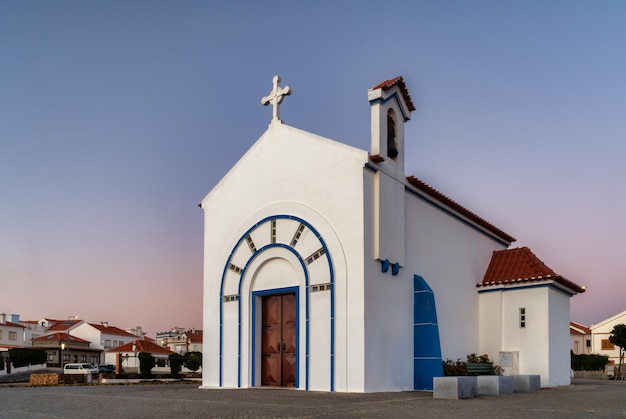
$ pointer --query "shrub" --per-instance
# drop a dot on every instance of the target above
(194, 353)
(146, 363)
(593, 362)
(193, 363)
(21, 357)
(457, 367)
(176, 363)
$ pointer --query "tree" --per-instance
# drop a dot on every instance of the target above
(618, 338)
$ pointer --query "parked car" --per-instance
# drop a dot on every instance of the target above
(106, 369)
(79, 369)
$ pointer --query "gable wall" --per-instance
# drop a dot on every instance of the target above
(290, 172)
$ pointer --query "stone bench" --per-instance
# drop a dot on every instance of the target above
(464, 387)
(459, 387)
(494, 385)
(526, 383)
(479, 369)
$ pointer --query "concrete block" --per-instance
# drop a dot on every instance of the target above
(494, 385)
(526, 383)
(454, 387)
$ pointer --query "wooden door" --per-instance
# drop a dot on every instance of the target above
(278, 341)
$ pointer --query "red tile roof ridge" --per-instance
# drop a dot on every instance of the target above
(11, 324)
(521, 265)
(397, 81)
(580, 326)
(63, 324)
(434, 193)
(142, 346)
(61, 336)
(112, 330)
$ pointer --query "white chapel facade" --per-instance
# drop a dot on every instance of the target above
(327, 268)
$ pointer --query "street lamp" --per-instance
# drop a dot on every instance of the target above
(61, 359)
(135, 353)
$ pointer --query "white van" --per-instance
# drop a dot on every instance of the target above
(79, 369)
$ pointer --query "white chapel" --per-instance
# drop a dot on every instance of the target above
(327, 268)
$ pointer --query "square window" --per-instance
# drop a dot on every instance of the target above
(607, 345)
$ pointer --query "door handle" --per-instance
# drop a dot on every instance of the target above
(284, 347)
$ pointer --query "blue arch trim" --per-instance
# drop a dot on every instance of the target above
(427, 361)
(395, 96)
(301, 259)
(290, 289)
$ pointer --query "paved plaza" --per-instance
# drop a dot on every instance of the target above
(583, 399)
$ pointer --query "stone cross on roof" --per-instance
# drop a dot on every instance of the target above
(275, 97)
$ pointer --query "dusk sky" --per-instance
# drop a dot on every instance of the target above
(118, 117)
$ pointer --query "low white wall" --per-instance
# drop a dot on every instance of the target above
(27, 368)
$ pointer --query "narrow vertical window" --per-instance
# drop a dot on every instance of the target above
(522, 317)
(392, 147)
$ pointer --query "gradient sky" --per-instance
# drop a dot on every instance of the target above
(118, 117)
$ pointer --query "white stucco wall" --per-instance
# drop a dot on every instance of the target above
(559, 373)
(544, 344)
(89, 333)
(490, 324)
(7, 331)
(532, 341)
(452, 257)
(288, 171)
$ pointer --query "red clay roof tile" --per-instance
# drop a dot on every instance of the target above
(397, 81)
(60, 337)
(63, 324)
(112, 330)
(521, 265)
(142, 346)
(11, 324)
(579, 328)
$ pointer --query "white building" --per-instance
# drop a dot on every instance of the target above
(524, 316)
(127, 356)
(11, 332)
(326, 268)
(581, 338)
(102, 336)
(180, 340)
(600, 333)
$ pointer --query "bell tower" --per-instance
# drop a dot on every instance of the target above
(391, 107)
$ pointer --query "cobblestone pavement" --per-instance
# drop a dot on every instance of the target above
(583, 399)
